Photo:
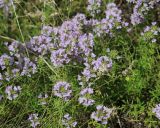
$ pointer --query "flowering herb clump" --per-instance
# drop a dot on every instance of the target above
(6, 5)
(62, 90)
(102, 114)
(12, 92)
(45, 41)
(68, 122)
(156, 111)
(33, 118)
(140, 9)
(94, 7)
(112, 20)
(102, 64)
(151, 32)
(16, 63)
(40, 44)
(85, 95)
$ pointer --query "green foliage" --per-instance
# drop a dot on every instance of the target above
(132, 87)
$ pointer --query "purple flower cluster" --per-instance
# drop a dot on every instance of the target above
(15, 63)
(59, 57)
(12, 92)
(78, 48)
(151, 32)
(140, 10)
(5, 4)
(62, 90)
(40, 44)
(68, 122)
(43, 98)
(69, 41)
(94, 7)
(87, 74)
(33, 118)
(95, 68)
(102, 64)
(156, 111)
(137, 17)
(13, 48)
(102, 114)
(85, 95)
(112, 20)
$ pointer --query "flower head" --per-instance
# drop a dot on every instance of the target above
(40, 44)
(12, 92)
(102, 64)
(94, 7)
(85, 95)
(33, 118)
(62, 90)
(68, 122)
(102, 114)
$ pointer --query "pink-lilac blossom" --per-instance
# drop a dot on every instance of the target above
(85, 97)
(12, 92)
(62, 90)
(102, 114)
(68, 121)
(33, 118)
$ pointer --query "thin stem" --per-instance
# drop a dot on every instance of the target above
(19, 27)
(7, 38)
(49, 65)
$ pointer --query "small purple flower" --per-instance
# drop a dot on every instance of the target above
(33, 118)
(88, 74)
(59, 57)
(137, 17)
(68, 122)
(94, 7)
(112, 20)
(5, 60)
(12, 92)
(85, 44)
(102, 64)
(5, 4)
(47, 30)
(154, 40)
(102, 114)
(62, 90)
(156, 111)
(40, 44)
(85, 95)
(28, 68)
(150, 33)
(140, 9)
(14, 48)
(43, 98)
(147, 28)
(15, 72)
(113, 13)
